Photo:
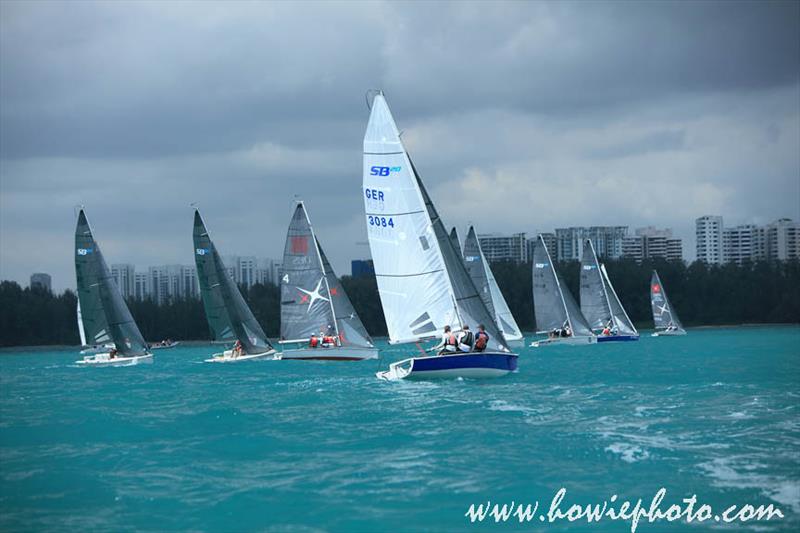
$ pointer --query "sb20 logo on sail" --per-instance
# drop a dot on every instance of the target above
(383, 171)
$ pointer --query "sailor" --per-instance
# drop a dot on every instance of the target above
(481, 339)
(237, 348)
(448, 343)
(567, 332)
(606, 331)
(465, 339)
(314, 341)
(112, 353)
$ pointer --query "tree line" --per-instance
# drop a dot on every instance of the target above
(760, 292)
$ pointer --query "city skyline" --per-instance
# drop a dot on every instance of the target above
(531, 135)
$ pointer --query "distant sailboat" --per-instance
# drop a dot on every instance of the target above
(455, 240)
(599, 302)
(422, 281)
(104, 317)
(664, 316)
(313, 302)
(229, 317)
(557, 314)
(481, 274)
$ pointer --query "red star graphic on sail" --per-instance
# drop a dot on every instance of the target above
(656, 288)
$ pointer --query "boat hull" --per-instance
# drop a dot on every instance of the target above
(338, 353)
(227, 357)
(105, 359)
(617, 338)
(672, 333)
(567, 341)
(167, 347)
(467, 365)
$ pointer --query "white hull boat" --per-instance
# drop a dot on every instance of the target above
(164, 346)
(105, 359)
(339, 353)
(228, 357)
(566, 341)
(669, 333)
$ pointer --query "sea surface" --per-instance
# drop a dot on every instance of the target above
(322, 446)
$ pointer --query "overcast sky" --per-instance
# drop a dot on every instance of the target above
(520, 117)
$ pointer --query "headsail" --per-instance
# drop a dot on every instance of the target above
(227, 313)
(103, 311)
(421, 277)
(663, 313)
(553, 304)
(620, 316)
(481, 274)
(312, 298)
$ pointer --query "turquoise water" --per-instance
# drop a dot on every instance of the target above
(306, 446)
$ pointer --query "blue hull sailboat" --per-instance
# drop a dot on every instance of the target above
(422, 281)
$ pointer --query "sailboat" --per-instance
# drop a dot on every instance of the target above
(316, 314)
(664, 316)
(599, 302)
(229, 317)
(557, 314)
(481, 274)
(422, 281)
(105, 319)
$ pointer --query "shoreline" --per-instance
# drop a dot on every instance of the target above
(195, 342)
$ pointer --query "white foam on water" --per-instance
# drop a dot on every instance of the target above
(503, 406)
(786, 493)
(630, 453)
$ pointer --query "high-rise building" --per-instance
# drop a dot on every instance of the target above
(498, 247)
(650, 243)
(607, 241)
(708, 230)
(124, 276)
(782, 240)
(141, 286)
(42, 281)
(745, 243)
(168, 282)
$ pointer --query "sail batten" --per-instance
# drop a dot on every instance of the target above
(103, 311)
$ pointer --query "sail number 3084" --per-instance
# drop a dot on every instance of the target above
(382, 222)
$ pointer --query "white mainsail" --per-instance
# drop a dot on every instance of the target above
(422, 281)
(80, 325)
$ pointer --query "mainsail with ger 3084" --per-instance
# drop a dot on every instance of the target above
(422, 281)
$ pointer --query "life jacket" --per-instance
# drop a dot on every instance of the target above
(468, 338)
(451, 340)
(313, 342)
(327, 340)
(481, 341)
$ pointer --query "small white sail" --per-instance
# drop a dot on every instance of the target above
(80, 325)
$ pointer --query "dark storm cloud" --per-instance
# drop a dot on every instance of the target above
(136, 109)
